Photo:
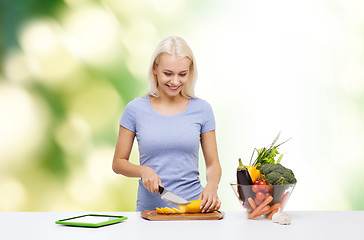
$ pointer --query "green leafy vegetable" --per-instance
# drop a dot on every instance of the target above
(267, 155)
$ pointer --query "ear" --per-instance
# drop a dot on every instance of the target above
(155, 68)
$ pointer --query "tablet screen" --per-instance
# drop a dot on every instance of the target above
(90, 219)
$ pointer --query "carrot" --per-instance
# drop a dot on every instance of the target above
(261, 213)
(252, 203)
(261, 206)
(264, 211)
(268, 209)
(284, 198)
(275, 206)
(272, 213)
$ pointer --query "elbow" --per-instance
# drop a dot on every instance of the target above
(115, 166)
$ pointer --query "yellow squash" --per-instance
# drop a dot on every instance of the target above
(193, 207)
(160, 211)
(167, 210)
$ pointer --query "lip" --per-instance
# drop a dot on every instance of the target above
(173, 88)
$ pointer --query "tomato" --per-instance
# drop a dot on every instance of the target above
(260, 196)
(257, 201)
(264, 181)
(266, 195)
(256, 181)
(264, 188)
(260, 181)
(255, 188)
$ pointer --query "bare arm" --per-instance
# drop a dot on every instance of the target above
(209, 197)
(121, 164)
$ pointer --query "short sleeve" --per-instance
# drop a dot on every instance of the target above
(208, 119)
(128, 117)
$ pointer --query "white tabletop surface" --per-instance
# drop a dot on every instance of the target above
(235, 225)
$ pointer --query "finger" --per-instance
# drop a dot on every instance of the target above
(213, 205)
(148, 185)
(203, 202)
(145, 183)
(207, 204)
(159, 184)
(156, 187)
(218, 205)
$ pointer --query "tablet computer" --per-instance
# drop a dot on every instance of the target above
(91, 220)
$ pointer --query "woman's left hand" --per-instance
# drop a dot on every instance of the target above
(210, 200)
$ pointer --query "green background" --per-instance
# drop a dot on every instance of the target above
(68, 68)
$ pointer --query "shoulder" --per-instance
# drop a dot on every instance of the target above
(138, 102)
(201, 103)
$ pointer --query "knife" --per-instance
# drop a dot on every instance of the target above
(171, 197)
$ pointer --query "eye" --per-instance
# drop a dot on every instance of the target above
(183, 74)
(167, 73)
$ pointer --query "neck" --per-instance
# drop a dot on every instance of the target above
(163, 98)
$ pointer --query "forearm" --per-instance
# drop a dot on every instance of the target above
(121, 164)
(213, 174)
(126, 168)
(213, 168)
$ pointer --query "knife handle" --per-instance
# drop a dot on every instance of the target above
(161, 189)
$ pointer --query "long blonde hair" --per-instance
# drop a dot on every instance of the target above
(178, 47)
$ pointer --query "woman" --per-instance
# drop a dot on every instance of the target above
(169, 125)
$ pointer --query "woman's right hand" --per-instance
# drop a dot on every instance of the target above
(151, 179)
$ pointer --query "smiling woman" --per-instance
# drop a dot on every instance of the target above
(169, 124)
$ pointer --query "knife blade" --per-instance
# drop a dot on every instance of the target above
(171, 197)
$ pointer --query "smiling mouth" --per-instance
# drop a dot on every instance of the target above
(173, 87)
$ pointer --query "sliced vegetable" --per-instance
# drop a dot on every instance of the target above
(167, 210)
(176, 210)
(193, 207)
(160, 211)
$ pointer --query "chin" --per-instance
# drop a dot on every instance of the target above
(173, 94)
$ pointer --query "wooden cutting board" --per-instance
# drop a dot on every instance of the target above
(154, 216)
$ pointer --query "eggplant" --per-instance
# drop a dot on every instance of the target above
(243, 178)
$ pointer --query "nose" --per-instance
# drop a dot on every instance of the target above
(174, 80)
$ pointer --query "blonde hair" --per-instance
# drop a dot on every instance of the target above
(175, 46)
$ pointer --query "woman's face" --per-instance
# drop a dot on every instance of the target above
(172, 73)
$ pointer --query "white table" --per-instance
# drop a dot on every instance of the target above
(235, 226)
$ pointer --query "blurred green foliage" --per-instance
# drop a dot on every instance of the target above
(69, 67)
(14, 13)
(74, 83)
